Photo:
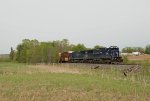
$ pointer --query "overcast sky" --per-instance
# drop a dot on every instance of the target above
(104, 22)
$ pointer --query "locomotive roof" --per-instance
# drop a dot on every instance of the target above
(111, 47)
(105, 48)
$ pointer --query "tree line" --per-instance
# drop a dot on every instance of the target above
(145, 50)
(33, 51)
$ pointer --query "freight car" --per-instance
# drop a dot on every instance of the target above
(102, 55)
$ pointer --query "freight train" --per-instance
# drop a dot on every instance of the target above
(102, 55)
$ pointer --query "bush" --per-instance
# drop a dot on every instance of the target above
(125, 59)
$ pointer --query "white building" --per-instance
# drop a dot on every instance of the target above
(136, 53)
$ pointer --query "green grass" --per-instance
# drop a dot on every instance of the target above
(18, 84)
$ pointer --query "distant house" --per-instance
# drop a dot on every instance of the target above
(129, 54)
(136, 53)
(125, 54)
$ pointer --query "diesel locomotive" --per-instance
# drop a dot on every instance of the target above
(102, 55)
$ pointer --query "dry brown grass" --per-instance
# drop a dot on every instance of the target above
(52, 68)
(140, 57)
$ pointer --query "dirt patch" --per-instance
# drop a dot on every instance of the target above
(140, 57)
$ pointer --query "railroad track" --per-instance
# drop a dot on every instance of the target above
(94, 64)
(124, 68)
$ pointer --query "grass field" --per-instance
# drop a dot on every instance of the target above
(21, 82)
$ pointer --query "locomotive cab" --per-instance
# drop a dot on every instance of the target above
(115, 54)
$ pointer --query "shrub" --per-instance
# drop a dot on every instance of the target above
(125, 59)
